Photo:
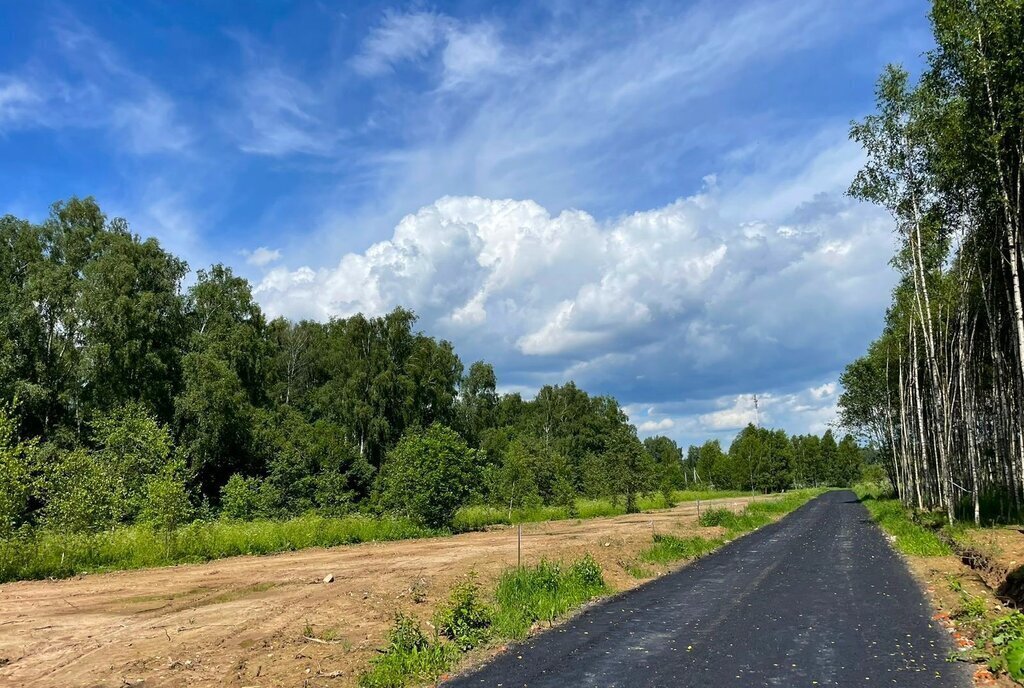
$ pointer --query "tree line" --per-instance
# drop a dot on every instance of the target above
(941, 391)
(130, 397)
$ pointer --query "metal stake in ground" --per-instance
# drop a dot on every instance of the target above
(519, 549)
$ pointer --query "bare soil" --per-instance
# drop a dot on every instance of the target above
(272, 620)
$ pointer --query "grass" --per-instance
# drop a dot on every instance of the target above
(522, 597)
(909, 535)
(48, 554)
(480, 516)
(668, 549)
(39, 554)
(542, 593)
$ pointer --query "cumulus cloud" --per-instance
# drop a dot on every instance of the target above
(678, 302)
(261, 256)
(653, 426)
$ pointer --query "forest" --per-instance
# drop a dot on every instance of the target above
(940, 393)
(133, 393)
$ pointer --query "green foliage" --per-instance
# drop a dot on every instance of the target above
(465, 619)
(428, 476)
(248, 498)
(167, 503)
(16, 460)
(409, 657)
(908, 536)
(544, 592)
(59, 553)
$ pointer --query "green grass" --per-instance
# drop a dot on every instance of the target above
(480, 516)
(909, 536)
(410, 656)
(523, 597)
(542, 593)
(41, 553)
(47, 554)
(668, 549)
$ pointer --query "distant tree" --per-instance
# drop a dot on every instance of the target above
(832, 472)
(668, 462)
(428, 475)
(16, 459)
(632, 468)
(246, 498)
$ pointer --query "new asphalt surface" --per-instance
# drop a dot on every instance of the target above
(817, 599)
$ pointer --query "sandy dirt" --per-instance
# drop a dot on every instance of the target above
(246, 621)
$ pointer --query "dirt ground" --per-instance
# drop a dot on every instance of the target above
(272, 620)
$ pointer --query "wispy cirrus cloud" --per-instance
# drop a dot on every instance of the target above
(90, 86)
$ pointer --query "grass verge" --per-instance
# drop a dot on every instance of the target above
(908, 534)
(38, 554)
(668, 549)
(523, 597)
(47, 554)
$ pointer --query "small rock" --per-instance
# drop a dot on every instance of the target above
(329, 578)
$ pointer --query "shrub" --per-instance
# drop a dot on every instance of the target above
(428, 476)
(167, 502)
(465, 620)
(247, 498)
(543, 593)
(409, 656)
(716, 517)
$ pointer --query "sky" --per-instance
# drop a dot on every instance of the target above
(647, 198)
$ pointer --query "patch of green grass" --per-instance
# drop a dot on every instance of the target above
(543, 593)
(668, 549)
(639, 572)
(48, 554)
(910, 537)
(410, 656)
(480, 516)
(523, 596)
(465, 620)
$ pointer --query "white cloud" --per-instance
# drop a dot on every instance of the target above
(261, 256)
(468, 49)
(675, 302)
(92, 86)
(399, 37)
(279, 115)
(18, 100)
(656, 425)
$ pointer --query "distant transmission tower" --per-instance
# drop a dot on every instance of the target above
(757, 414)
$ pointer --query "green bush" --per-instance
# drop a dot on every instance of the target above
(464, 620)
(716, 517)
(409, 656)
(543, 593)
(428, 476)
(247, 498)
(167, 504)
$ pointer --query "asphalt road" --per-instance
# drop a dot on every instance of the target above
(817, 599)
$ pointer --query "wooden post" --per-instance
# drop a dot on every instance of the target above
(519, 550)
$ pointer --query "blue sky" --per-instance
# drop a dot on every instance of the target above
(644, 197)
